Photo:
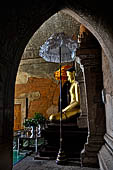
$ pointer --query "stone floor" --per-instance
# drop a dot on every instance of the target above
(29, 163)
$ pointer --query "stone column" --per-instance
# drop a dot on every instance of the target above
(89, 56)
(82, 119)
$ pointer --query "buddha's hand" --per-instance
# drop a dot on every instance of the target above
(52, 117)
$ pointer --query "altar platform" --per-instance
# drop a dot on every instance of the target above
(74, 139)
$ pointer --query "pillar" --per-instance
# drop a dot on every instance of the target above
(82, 119)
(89, 56)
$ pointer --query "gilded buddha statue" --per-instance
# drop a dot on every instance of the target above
(73, 109)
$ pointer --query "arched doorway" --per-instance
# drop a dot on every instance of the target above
(33, 68)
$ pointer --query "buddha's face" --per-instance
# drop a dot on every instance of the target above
(70, 76)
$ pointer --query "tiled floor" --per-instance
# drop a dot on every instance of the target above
(30, 164)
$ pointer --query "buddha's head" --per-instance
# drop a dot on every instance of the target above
(71, 74)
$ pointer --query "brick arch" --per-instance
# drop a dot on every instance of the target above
(24, 23)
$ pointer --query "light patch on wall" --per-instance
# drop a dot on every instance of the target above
(22, 78)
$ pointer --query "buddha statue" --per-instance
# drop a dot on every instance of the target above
(73, 109)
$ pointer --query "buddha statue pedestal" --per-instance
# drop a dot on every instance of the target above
(74, 139)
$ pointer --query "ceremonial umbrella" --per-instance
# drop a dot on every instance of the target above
(59, 48)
